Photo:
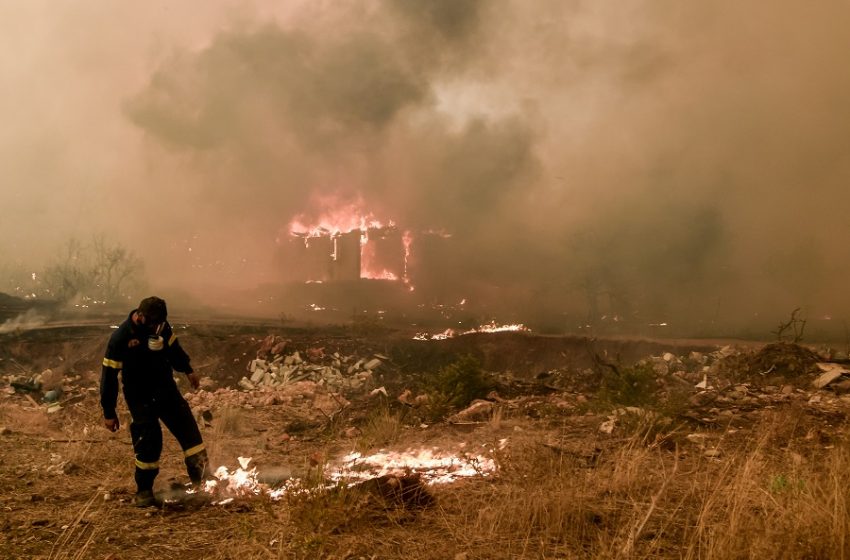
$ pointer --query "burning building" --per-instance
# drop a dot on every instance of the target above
(345, 250)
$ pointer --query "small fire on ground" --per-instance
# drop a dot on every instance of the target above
(490, 327)
(431, 466)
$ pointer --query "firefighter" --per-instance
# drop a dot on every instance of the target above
(145, 350)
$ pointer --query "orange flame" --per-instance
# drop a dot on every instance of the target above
(490, 327)
(346, 219)
(434, 467)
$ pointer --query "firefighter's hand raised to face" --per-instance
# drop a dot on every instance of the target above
(112, 424)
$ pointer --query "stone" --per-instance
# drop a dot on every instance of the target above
(477, 411)
(372, 364)
(828, 376)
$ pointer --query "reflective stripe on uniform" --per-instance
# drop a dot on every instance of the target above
(147, 466)
(112, 363)
(172, 339)
(194, 450)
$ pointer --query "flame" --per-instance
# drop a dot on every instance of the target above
(433, 467)
(490, 327)
(336, 219)
(384, 274)
(343, 219)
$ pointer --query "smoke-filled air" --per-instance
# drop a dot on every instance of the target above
(560, 163)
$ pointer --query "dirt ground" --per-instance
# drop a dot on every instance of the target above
(581, 471)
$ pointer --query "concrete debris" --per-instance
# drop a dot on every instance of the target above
(315, 399)
(697, 438)
(831, 373)
(325, 369)
(479, 410)
(379, 391)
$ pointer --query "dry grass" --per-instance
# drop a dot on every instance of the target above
(383, 427)
(777, 489)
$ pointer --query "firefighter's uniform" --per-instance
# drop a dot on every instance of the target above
(151, 395)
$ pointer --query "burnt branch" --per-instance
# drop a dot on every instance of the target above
(794, 324)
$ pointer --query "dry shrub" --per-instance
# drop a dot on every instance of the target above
(383, 427)
(227, 423)
(455, 386)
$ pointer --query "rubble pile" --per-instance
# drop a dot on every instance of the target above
(300, 394)
(782, 359)
(301, 377)
(273, 368)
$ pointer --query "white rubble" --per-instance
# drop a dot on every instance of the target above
(328, 371)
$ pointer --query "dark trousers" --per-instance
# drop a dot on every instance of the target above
(174, 412)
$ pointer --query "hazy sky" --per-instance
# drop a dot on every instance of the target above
(664, 156)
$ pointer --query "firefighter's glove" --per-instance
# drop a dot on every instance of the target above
(194, 380)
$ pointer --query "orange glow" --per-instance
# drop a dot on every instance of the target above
(490, 327)
(343, 219)
(434, 467)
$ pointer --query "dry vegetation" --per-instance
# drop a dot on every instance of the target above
(768, 483)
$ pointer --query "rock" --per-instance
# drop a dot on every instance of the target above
(831, 373)
(245, 384)
(50, 379)
(52, 395)
(372, 364)
(379, 391)
(712, 453)
(697, 358)
(607, 426)
(4, 431)
(696, 438)
(257, 376)
(477, 411)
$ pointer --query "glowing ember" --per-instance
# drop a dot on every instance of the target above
(382, 275)
(490, 327)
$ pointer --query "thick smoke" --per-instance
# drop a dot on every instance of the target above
(649, 161)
